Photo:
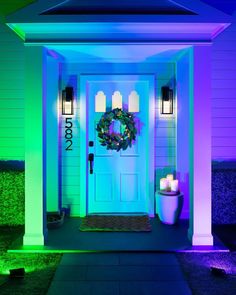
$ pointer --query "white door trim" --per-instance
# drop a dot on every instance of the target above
(83, 79)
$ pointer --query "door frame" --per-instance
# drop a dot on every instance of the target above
(83, 115)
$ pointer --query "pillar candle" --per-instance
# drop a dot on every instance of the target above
(174, 185)
(164, 184)
(170, 177)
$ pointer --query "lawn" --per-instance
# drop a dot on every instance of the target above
(39, 268)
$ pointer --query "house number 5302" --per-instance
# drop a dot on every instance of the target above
(68, 134)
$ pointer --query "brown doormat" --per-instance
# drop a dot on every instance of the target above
(140, 223)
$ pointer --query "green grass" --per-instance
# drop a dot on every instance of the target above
(39, 268)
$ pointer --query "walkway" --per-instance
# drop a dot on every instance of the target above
(119, 273)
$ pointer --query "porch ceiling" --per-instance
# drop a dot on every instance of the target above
(116, 53)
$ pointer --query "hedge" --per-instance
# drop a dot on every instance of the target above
(12, 198)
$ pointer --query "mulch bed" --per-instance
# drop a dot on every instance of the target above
(196, 267)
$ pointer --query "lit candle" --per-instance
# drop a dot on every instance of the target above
(164, 183)
(174, 185)
(170, 177)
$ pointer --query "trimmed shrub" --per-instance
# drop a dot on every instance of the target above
(12, 197)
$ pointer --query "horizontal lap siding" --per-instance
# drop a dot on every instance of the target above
(70, 162)
(224, 95)
(11, 96)
(165, 138)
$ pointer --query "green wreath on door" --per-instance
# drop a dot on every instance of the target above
(113, 140)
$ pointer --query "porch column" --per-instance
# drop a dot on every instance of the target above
(35, 215)
(200, 147)
(182, 128)
(52, 142)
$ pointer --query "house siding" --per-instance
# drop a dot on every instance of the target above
(11, 95)
(224, 95)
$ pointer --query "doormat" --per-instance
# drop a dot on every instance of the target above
(116, 223)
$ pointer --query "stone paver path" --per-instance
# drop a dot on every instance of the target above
(119, 273)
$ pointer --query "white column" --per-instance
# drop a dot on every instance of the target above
(52, 158)
(200, 147)
(182, 129)
(35, 217)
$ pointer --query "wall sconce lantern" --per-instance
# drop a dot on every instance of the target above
(166, 100)
(67, 101)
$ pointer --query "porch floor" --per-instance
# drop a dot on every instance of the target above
(162, 238)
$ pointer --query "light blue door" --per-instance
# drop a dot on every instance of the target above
(119, 181)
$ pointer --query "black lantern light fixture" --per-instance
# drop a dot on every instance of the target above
(67, 101)
(167, 101)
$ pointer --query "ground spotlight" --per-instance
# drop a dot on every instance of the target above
(218, 272)
(18, 273)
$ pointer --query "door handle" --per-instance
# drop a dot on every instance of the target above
(91, 160)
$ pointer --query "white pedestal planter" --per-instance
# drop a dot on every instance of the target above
(169, 207)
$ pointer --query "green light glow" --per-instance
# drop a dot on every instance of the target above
(4, 272)
(31, 262)
(35, 249)
(17, 30)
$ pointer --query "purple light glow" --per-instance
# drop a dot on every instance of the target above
(53, 53)
(225, 261)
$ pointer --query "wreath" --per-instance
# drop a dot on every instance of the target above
(113, 140)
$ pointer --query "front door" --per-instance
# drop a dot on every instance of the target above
(119, 181)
